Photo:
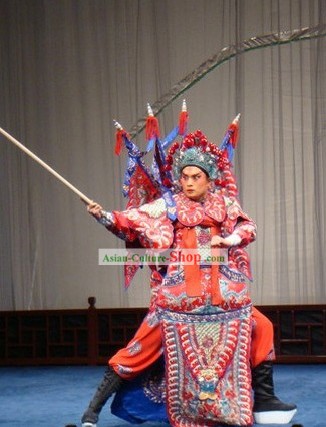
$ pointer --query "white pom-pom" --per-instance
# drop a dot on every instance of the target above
(236, 120)
(149, 110)
(117, 125)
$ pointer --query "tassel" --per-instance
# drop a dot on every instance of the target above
(118, 141)
(183, 119)
(234, 131)
(234, 134)
(152, 127)
(118, 137)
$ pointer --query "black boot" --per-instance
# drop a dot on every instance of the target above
(109, 385)
(268, 409)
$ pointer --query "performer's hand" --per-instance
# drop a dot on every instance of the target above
(95, 209)
(225, 242)
(219, 242)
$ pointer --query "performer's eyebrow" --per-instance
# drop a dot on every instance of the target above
(195, 175)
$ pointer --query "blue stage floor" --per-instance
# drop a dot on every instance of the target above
(57, 396)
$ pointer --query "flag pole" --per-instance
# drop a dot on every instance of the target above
(84, 198)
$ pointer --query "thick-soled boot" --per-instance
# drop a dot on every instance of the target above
(268, 409)
(109, 385)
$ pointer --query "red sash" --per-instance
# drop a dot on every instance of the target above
(192, 272)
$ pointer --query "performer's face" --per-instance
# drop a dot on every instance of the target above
(194, 182)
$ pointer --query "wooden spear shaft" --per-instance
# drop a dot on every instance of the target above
(46, 166)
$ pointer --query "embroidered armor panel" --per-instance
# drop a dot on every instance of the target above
(207, 365)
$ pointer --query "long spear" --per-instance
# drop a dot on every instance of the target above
(46, 166)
